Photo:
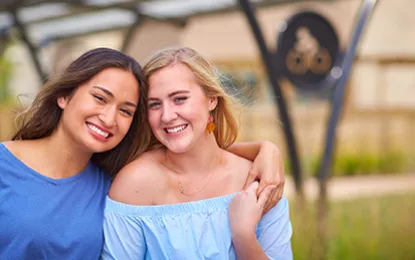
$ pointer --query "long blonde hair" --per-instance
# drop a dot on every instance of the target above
(208, 78)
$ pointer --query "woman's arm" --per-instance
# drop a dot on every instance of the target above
(249, 249)
(247, 150)
(267, 167)
(270, 239)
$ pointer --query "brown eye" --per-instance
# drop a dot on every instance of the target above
(99, 98)
(127, 112)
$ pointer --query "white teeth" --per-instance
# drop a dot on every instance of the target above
(97, 130)
(176, 129)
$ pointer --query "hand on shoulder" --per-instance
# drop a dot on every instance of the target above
(246, 209)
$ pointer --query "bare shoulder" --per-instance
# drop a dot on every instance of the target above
(239, 168)
(17, 147)
(239, 162)
(141, 181)
(24, 150)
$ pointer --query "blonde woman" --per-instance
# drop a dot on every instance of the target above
(183, 199)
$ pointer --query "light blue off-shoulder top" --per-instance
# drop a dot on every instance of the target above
(192, 230)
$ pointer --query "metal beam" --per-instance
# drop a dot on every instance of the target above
(115, 28)
(337, 103)
(280, 100)
(83, 9)
(32, 48)
(262, 4)
(79, 9)
(7, 5)
(130, 33)
(74, 35)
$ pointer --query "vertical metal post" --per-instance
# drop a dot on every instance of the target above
(32, 48)
(337, 104)
(338, 96)
(130, 32)
(272, 77)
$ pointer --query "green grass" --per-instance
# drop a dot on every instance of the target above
(375, 228)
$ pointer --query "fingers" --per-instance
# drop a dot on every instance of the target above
(269, 203)
(253, 187)
(277, 194)
(275, 197)
(252, 176)
(272, 175)
(266, 180)
(269, 179)
(265, 196)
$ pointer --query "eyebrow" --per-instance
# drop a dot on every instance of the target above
(109, 93)
(173, 94)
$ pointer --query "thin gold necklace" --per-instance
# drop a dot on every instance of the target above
(181, 189)
(180, 185)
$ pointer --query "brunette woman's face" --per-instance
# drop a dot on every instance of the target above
(99, 113)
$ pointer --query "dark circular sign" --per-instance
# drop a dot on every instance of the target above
(307, 49)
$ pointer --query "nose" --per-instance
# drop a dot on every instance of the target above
(168, 114)
(108, 116)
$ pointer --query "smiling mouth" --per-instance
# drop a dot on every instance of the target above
(176, 129)
(98, 131)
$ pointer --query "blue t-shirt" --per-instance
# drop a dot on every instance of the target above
(191, 230)
(43, 218)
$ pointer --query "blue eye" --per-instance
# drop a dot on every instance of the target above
(180, 99)
(154, 104)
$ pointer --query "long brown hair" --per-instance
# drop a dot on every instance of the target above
(41, 119)
(208, 78)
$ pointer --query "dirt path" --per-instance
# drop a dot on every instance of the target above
(344, 188)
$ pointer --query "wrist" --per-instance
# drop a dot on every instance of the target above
(243, 238)
(246, 247)
(265, 146)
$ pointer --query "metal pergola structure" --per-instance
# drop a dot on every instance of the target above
(39, 22)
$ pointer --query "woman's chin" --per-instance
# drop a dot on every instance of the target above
(178, 148)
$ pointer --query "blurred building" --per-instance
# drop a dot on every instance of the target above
(379, 109)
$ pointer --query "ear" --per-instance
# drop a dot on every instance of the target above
(213, 102)
(62, 101)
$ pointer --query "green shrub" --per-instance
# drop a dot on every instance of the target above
(392, 162)
(350, 164)
(5, 72)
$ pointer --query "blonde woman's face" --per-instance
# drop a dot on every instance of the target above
(178, 108)
(100, 112)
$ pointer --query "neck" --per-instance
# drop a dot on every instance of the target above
(205, 157)
(64, 158)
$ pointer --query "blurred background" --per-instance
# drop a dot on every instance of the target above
(363, 207)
